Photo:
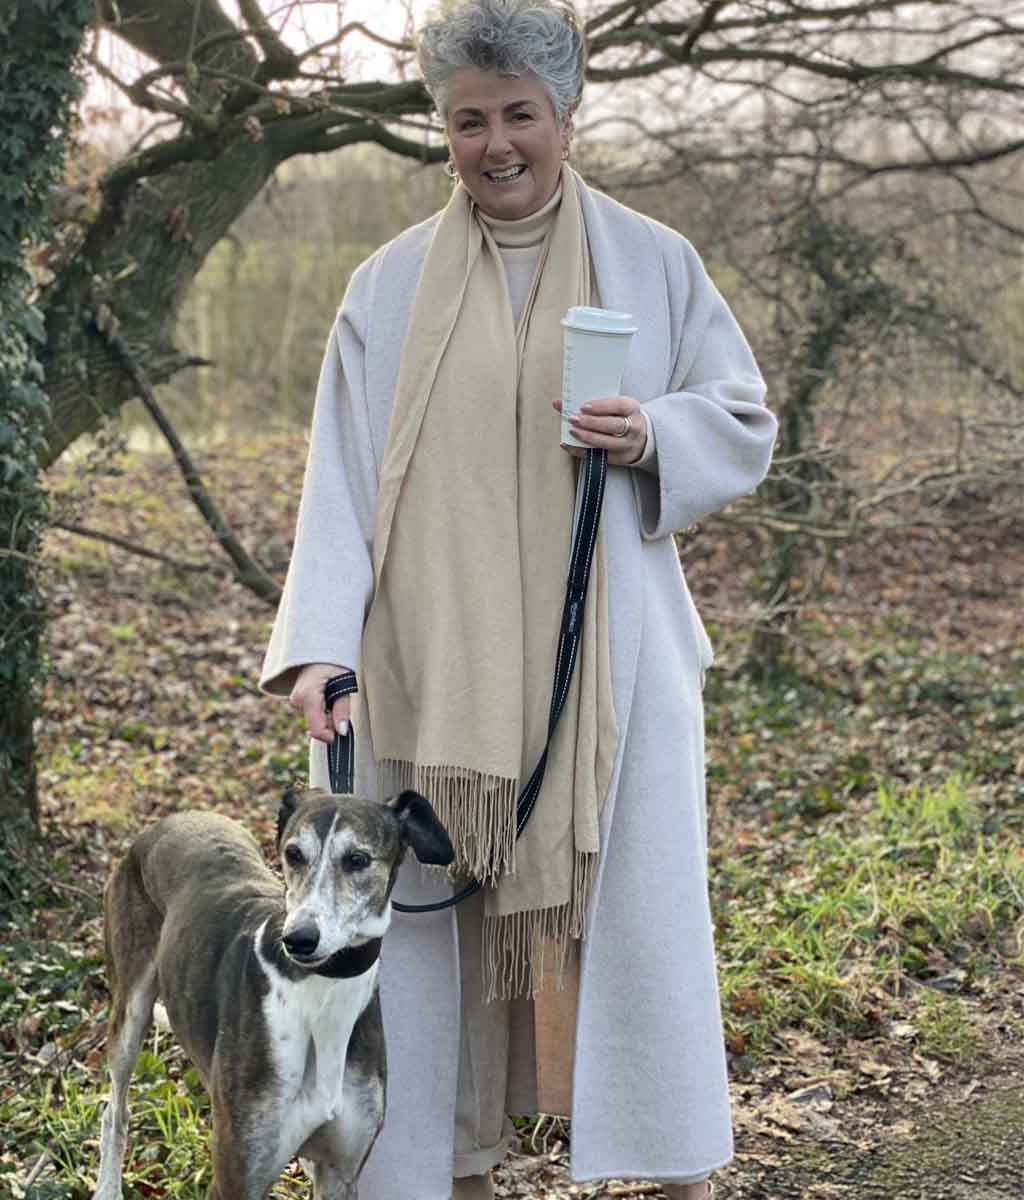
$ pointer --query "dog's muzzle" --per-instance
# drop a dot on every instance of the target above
(300, 946)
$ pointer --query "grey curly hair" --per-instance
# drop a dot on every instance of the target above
(511, 37)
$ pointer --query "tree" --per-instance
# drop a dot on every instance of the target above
(785, 90)
(36, 97)
(858, 172)
(235, 100)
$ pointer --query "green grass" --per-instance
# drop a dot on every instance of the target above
(867, 863)
(879, 922)
(945, 1029)
(830, 932)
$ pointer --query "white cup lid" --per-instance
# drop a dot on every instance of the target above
(598, 320)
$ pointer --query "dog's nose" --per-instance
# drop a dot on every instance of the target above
(302, 940)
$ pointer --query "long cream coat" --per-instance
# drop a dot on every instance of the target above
(650, 1095)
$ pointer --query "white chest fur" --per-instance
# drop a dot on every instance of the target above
(309, 1024)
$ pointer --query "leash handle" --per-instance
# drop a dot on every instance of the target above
(341, 753)
(586, 517)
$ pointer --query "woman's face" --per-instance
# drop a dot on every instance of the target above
(505, 141)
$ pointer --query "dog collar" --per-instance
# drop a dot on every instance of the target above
(356, 960)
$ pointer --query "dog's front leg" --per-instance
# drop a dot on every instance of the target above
(335, 1154)
(246, 1157)
(329, 1183)
(333, 1157)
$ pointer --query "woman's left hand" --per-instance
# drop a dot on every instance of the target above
(600, 424)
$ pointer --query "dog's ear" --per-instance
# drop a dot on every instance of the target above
(421, 829)
(289, 803)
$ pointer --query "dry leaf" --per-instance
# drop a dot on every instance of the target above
(874, 1069)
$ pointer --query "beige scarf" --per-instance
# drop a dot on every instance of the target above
(470, 559)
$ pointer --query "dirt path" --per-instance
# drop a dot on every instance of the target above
(972, 1150)
(966, 1146)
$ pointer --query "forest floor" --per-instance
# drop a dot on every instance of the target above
(867, 833)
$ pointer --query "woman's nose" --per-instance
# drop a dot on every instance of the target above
(499, 144)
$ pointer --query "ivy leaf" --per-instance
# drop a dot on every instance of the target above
(31, 322)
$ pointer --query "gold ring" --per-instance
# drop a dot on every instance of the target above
(627, 425)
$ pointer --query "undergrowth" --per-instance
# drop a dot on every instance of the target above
(867, 865)
(890, 916)
(877, 913)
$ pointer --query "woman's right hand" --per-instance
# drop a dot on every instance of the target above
(307, 697)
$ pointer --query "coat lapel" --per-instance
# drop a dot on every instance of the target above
(631, 277)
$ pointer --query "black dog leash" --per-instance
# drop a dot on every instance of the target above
(589, 498)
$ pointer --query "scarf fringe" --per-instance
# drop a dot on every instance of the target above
(515, 961)
(477, 809)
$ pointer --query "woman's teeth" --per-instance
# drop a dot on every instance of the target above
(503, 176)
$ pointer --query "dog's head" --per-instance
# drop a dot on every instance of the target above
(340, 856)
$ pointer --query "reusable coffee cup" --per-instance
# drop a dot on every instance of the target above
(596, 343)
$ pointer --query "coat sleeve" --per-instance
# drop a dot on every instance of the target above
(330, 575)
(712, 431)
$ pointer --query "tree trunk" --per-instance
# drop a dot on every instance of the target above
(836, 285)
(35, 95)
(165, 207)
(138, 262)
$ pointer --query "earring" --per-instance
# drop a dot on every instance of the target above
(451, 170)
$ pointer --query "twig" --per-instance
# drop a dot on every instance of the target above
(42, 1162)
(20, 554)
(60, 885)
(700, 26)
(132, 548)
(355, 27)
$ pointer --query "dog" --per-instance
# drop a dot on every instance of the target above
(271, 990)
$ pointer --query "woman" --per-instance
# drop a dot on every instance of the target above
(430, 556)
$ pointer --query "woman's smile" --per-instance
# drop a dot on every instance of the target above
(505, 175)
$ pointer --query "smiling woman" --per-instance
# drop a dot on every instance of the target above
(431, 554)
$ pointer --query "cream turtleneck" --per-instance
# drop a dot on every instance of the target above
(519, 243)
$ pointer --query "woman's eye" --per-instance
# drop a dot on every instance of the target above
(294, 857)
(356, 861)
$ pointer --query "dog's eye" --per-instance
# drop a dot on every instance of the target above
(294, 857)
(356, 860)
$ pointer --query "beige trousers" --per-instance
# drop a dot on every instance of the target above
(496, 1057)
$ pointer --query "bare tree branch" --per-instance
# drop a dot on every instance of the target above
(632, 10)
(280, 62)
(672, 55)
(700, 27)
(247, 571)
